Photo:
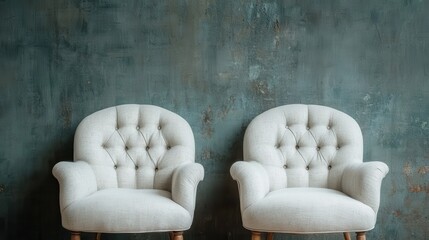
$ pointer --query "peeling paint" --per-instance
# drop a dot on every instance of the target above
(407, 169)
(367, 98)
(207, 119)
(414, 180)
(261, 88)
(66, 114)
(206, 154)
(423, 170)
(226, 108)
(254, 72)
(397, 213)
(277, 26)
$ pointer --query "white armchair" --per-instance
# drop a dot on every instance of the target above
(303, 173)
(133, 172)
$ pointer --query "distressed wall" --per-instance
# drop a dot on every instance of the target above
(218, 64)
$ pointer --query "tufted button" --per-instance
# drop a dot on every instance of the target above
(156, 169)
(159, 127)
(287, 127)
(115, 167)
(168, 147)
(116, 128)
(329, 167)
(147, 148)
(278, 145)
(307, 168)
(137, 167)
(338, 147)
(126, 148)
(285, 166)
(297, 147)
(318, 148)
(328, 127)
(138, 127)
(308, 128)
(103, 145)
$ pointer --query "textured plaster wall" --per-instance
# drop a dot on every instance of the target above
(218, 64)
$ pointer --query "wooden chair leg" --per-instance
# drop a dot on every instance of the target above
(171, 234)
(75, 236)
(98, 237)
(176, 235)
(347, 236)
(256, 236)
(360, 236)
(270, 236)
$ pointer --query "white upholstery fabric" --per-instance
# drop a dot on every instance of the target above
(253, 182)
(77, 181)
(185, 181)
(126, 210)
(134, 171)
(363, 182)
(303, 146)
(308, 210)
(134, 146)
(314, 150)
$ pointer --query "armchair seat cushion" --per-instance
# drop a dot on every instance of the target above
(119, 210)
(308, 210)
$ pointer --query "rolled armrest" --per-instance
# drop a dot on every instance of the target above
(76, 179)
(363, 182)
(253, 182)
(184, 185)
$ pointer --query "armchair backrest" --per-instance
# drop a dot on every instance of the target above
(134, 146)
(303, 145)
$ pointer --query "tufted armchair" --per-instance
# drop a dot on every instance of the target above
(133, 172)
(304, 173)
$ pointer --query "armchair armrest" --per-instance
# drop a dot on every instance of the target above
(363, 182)
(253, 182)
(184, 185)
(76, 179)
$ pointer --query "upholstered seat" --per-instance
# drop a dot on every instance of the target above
(127, 210)
(315, 210)
(133, 172)
(303, 172)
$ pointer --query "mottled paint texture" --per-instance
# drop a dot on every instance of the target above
(218, 64)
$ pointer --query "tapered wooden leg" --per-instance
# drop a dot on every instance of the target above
(98, 237)
(171, 234)
(75, 236)
(347, 236)
(256, 236)
(270, 236)
(360, 236)
(176, 235)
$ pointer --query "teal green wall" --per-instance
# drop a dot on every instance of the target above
(218, 64)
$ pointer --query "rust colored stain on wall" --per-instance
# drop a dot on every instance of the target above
(419, 188)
